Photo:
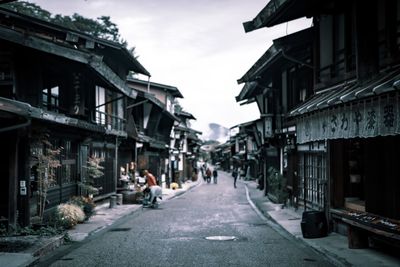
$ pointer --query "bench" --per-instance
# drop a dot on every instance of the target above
(361, 226)
(358, 234)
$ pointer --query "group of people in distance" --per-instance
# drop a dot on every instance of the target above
(237, 172)
(207, 173)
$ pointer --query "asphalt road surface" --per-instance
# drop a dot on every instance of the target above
(211, 225)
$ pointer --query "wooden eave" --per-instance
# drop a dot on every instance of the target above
(248, 101)
(160, 114)
(151, 98)
(49, 30)
(348, 92)
(305, 36)
(121, 54)
(280, 11)
(279, 48)
(184, 114)
(275, 58)
(264, 61)
(28, 111)
(154, 143)
(192, 133)
(174, 91)
(95, 62)
(247, 89)
(245, 124)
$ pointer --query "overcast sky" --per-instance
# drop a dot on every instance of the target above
(199, 46)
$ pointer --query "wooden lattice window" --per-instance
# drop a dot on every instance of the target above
(312, 179)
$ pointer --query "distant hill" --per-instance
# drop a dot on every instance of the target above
(216, 132)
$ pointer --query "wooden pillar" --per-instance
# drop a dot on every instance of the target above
(13, 188)
(24, 175)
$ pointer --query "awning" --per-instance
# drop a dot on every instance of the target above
(349, 91)
(354, 111)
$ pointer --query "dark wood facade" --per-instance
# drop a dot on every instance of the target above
(185, 150)
(277, 82)
(65, 84)
(153, 120)
(347, 132)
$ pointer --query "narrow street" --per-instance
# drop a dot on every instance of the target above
(176, 235)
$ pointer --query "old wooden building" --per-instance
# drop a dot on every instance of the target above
(279, 80)
(153, 119)
(347, 131)
(65, 85)
(184, 149)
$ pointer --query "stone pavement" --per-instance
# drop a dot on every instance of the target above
(334, 246)
(104, 217)
(285, 220)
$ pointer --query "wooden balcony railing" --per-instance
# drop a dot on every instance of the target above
(109, 121)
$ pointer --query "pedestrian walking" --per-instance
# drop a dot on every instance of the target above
(208, 175)
(202, 170)
(215, 176)
(235, 175)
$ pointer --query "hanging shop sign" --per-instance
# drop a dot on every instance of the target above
(369, 118)
(268, 127)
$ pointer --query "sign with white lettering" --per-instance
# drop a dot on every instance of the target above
(378, 117)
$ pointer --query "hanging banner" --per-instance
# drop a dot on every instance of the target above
(369, 118)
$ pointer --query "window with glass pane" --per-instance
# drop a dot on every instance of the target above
(100, 107)
(110, 109)
(50, 99)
